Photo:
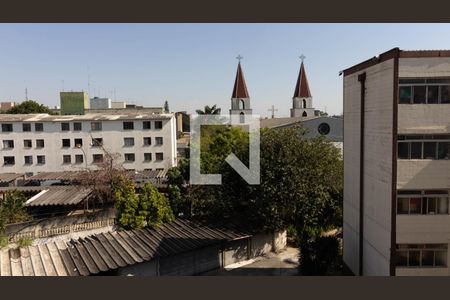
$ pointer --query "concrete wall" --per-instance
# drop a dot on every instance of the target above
(100, 103)
(424, 67)
(149, 268)
(118, 104)
(236, 251)
(377, 168)
(423, 174)
(209, 258)
(336, 128)
(113, 139)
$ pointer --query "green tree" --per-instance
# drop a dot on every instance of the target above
(126, 203)
(148, 209)
(12, 208)
(213, 110)
(153, 207)
(178, 189)
(29, 107)
(301, 181)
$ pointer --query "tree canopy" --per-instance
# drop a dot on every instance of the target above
(29, 107)
(301, 182)
(12, 209)
(209, 110)
(148, 209)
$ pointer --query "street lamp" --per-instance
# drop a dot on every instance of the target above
(79, 146)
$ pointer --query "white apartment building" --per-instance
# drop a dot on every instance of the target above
(397, 164)
(46, 143)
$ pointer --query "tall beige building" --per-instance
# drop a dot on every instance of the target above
(397, 164)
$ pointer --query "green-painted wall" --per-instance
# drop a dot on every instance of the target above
(74, 103)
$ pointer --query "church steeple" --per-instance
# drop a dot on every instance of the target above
(240, 99)
(240, 88)
(302, 99)
(302, 87)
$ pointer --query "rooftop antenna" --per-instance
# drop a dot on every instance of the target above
(115, 94)
(26, 94)
(63, 85)
(89, 82)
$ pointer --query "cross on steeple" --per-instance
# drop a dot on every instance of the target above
(273, 110)
(302, 57)
(239, 57)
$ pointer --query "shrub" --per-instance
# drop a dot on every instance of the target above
(320, 255)
(24, 241)
(3, 240)
(149, 209)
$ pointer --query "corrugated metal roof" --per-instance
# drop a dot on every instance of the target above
(59, 195)
(76, 175)
(109, 251)
(8, 177)
(65, 175)
(52, 195)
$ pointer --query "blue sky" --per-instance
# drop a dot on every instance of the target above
(192, 65)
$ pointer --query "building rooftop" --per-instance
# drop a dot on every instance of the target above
(277, 122)
(85, 117)
(391, 54)
(112, 250)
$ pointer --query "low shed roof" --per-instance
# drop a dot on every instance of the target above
(8, 177)
(52, 195)
(112, 250)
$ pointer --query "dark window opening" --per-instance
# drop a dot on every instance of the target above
(67, 159)
(38, 127)
(26, 127)
(7, 127)
(146, 125)
(41, 159)
(419, 94)
(128, 125)
(65, 126)
(416, 150)
(9, 160)
(40, 144)
(405, 93)
(66, 143)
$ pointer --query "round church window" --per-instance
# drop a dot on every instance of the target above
(324, 129)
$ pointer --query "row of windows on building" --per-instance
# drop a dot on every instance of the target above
(415, 202)
(78, 126)
(422, 255)
(423, 147)
(79, 159)
(424, 91)
(96, 142)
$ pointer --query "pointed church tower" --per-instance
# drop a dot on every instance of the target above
(302, 100)
(240, 99)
